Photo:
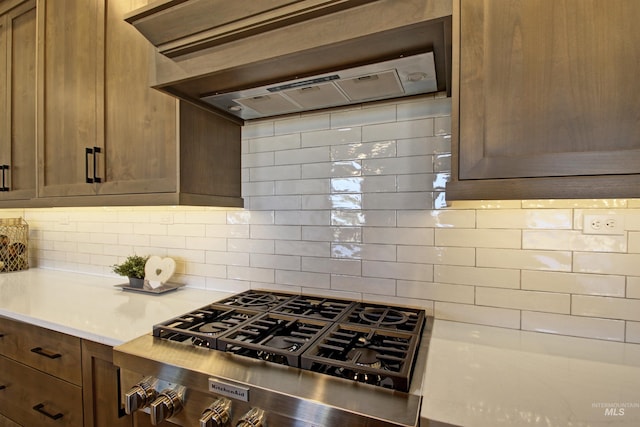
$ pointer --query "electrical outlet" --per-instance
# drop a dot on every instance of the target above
(603, 224)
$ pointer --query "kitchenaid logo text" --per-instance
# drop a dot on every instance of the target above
(615, 409)
(229, 390)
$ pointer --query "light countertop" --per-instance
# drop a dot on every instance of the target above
(476, 376)
(481, 376)
(90, 307)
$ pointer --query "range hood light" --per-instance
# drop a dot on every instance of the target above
(235, 108)
(416, 77)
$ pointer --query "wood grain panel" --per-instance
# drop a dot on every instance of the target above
(72, 105)
(140, 123)
(549, 88)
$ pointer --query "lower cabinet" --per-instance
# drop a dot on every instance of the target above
(101, 388)
(33, 398)
(52, 379)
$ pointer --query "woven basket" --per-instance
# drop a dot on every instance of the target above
(14, 244)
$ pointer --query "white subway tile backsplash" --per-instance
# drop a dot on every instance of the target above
(303, 155)
(436, 291)
(437, 255)
(606, 307)
(364, 116)
(603, 263)
(524, 300)
(633, 332)
(490, 316)
(415, 200)
(275, 173)
(363, 284)
(398, 130)
(332, 265)
(397, 270)
(478, 238)
(352, 203)
(308, 122)
(332, 137)
(332, 169)
(377, 218)
(424, 108)
(633, 287)
(398, 236)
(586, 327)
(574, 283)
(369, 150)
(488, 277)
(397, 165)
(274, 143)
(524, 259)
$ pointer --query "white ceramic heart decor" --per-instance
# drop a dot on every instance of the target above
(158, 271)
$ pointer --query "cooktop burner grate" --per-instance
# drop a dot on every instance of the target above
(256, 300)
(373, 356)
(386, 317)
(364, 342)
(314, 307)
(273, 337)
(202, 327)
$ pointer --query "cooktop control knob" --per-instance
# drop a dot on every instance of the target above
(218, 414)
(140, 395)
(167, 404)
(253, 418)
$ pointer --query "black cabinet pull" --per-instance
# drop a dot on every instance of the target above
(41, 352)
(88, 151)
(39, 407)
(2, 387)
(96, 178)
(4, 185)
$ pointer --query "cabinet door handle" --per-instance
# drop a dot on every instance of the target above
(96, 178)
(41, 352)
(2, 387)
(4, 185)
(88, 151)
(39, 407)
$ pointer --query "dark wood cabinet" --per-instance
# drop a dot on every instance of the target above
(546, 101)
(102, 135)
(101, 388)
(18, 101)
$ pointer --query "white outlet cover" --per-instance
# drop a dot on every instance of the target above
(607, 224)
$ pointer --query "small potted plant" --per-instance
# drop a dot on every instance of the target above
(133, 268)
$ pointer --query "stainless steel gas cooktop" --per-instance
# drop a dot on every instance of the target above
(263, 358)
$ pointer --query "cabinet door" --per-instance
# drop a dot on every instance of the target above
(549, 103)
(18, 127)
(71, 43)
(140, 122)
(101, 388)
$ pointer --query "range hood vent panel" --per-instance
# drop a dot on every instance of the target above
(411, 75)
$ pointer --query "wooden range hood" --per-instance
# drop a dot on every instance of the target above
(210, 47)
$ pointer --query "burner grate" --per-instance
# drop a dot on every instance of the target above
(256, 300)
(374, 356)
(386, 317)
(315, 307)
(202, 327)
(273, 337)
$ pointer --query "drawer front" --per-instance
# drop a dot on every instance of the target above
(45, 350)
(6, 422)
(33, 398)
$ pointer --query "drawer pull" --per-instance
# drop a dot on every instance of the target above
(39, 407)
(41, 352)
(2, 387)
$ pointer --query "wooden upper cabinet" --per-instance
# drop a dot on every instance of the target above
(546, 99)
(72, 103)
(140, 123)
(18, 100)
